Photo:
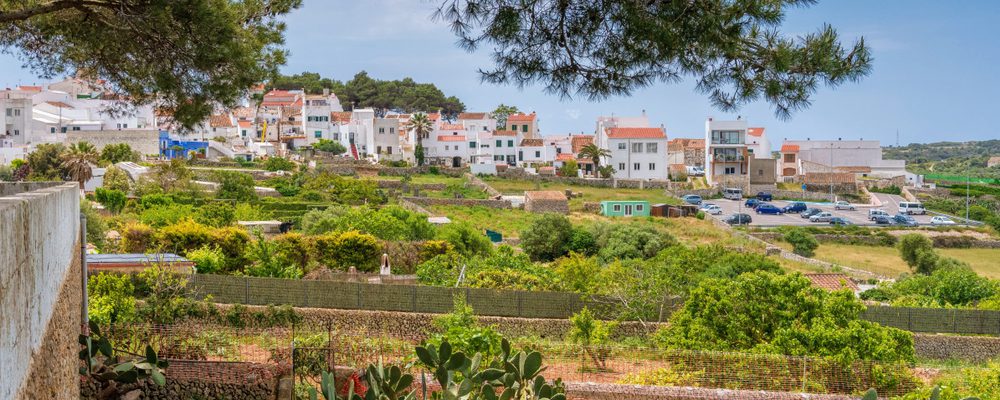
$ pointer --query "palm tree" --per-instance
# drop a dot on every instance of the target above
(594, 153)
(78, 161)
(420, 125)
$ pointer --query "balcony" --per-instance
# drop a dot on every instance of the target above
(728, 141)
(729, 157)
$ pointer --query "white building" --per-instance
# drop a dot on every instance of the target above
(638, 153)
(758, 144)
(863, 157)
(725, 151)
(17, 119)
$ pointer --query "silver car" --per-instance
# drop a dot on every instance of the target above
(821, 217)
(843, 205)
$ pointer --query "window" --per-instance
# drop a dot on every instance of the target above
(378, 149)
(638, 207)
(10, 111)
(728, 137)
(472, 145)
(637, 147)
(538, 154)
(392, 130)
(336, 136)
(446, 147)
(621, 166)
(381, 130)
(621, 146)
(485, 129)
(52, 130)
(125, 126)
(635, 166)
(513, 128)
(524, 128)
(789, 157)
(652, 166)
(558, 150)
(16, 132)
(317, 134)
(617, 207)
(388, 150)
(727, 155)
(499, 143)
(730, 171)
(520, 156)
(651, 147)
(760, 172)
(510, 143)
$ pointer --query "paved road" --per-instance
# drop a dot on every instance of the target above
(858, 217)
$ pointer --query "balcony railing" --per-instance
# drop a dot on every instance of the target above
(729, 157)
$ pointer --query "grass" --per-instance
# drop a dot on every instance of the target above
(589, 193)
(508, 222)
(424, 178)
(886, 261)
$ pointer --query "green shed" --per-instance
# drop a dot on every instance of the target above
(625, 208)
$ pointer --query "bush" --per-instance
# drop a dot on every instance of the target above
(207, 260)
(891, 189)
(465, 239)
(330, 146)
(112, 200)
(577, 273)
(279, 164)
(250, 212)
(918, 252)
(434, 248)
(265, 261)
(292, 249)
(803, 243)
(136, 238)
(569, 169)
(216, 214)
(547, 238)
(111, 298)
(463, 332)
(582, 241)
(96, 227)
(235, 186)
(629, 240)
(233, 242)
(161, 215)
(116, 179)
(700, 215)
(592, 335)
(184, 236)
(348, 249)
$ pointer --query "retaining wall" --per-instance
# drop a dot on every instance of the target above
(204, 380)
(490, 203)
(950, 347)
(41, 291)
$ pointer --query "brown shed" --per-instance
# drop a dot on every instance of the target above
(659, 210)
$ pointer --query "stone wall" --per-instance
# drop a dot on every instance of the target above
(478, 183)
(143, 141)
(945, 242)
(204, 380)
(398, 184)
(950, 347)
(430, 201)
(546, 206)
(41, 290)
(519, 173)
(409, 205)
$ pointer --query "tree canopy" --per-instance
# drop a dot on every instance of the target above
(185, 55)
(601, 48)
(404, 95)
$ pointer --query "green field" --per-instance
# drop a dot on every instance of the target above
(589, 194)
(886, 260)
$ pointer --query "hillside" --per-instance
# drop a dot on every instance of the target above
(949, 158)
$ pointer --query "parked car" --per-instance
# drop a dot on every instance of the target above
(809, 212)
(795, 207)
(764, 196)
(903, 219)
(765, 208)
(941, 220)
(752, 203)
(821, 217)
(839, 221)
(882, 220)
(875, 212)
(692, 199)
(711, 209)
(739, 219)
(911, 207)
(695, 171)
(732, 193)
(843, 205)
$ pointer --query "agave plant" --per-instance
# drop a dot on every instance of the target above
(104, 366)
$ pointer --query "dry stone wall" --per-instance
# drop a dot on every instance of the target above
(489, 203)
(40, 299)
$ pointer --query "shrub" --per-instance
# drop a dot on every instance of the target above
(979, 213)
(215, 214)
(136, 238)
(233, 242)
(463, 332)
(569, 169)
(330, 146)
(112, 200)
(250, 212)
(279, 164)
(700, 215)
(234, 185)
(96, 227)
(629, 240)
(184, 236)
(582, 241)
(592, 335)
(167, 298)
(465, 239)
(207, 260)
(111, 298)
(547, 237)
(161, 215)
(918, 252)
(389, 223)
(803, 243)
(434, 248)
(357, 249)
(265, 261)
(577, 273)
(292, 249)
(116, 179)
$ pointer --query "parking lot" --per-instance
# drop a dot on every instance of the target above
(857, 217)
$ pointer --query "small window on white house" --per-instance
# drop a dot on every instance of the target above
(621, 146)
(635, 166)
(652, 166)
(52, 130)
(538, 154)
(621, 166)
(651, 147)
(637, 147)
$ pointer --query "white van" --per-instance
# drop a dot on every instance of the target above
(911, 207)
(733, 193)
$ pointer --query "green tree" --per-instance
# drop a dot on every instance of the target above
(118, 152)
(625, 240)
(216, 214)
(234, 185)
(112, 200)
(601, 48)
(501, 113)
(918, 252)
(217, 49)
(111, 298)
(279, 164)
(803, 243)
(421, 126)
(78, 162)
(265, 262)
(43, 163)
(577, 273)
(207, 260)
(465, 239)
(330, 146)
(593, 336)
(594, 153)
(97, 228)
(116, 179)
(569, 169)
(781, 314)
(547, 238)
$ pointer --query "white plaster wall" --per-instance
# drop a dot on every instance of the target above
(38, 232)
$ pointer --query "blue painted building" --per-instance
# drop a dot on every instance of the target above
(172, 148)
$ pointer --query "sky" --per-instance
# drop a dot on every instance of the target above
(933, 78)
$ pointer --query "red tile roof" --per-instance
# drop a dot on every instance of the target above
(340, 116)
(430, 116)
(685, 143)
(221, 121)
(472, 115)
(451, 127)
(637, 133)
(532, 142)
(521, 117)
(758, 132)
(832, 282)
(244, 124)
(30, 88)
(451, 138)
(565, 157)
(504, 133)
(789, 148)
(578, 142)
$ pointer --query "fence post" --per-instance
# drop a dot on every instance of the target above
(804, 361)
(246, 280)
(520, 301)
(360, 303)
(413, 297)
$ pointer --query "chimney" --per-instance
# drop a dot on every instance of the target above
(643, 112)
